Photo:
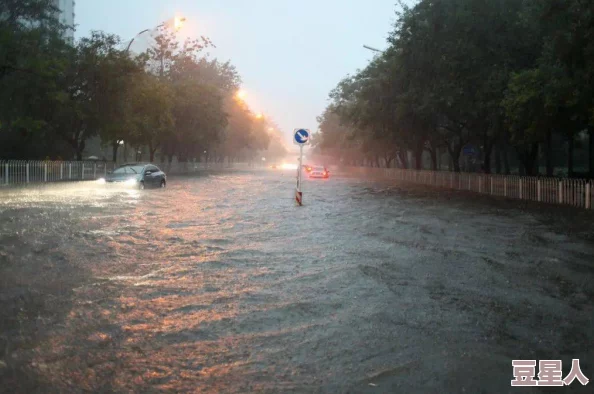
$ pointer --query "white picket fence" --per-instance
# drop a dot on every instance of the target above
(23, 172)
(19, 172)
(574, 192)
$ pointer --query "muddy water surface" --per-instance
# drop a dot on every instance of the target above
(221, 284)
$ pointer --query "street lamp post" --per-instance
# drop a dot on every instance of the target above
(177, 24)
(372, 49)
(138, 34)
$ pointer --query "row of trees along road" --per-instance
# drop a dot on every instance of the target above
(513, 78)
(56, 95)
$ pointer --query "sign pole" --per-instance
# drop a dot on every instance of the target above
(298, 192)
(301, 137)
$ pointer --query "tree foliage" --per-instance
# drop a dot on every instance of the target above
(501, 75)
(171, 101)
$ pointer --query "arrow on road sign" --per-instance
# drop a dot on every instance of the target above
(301, 136)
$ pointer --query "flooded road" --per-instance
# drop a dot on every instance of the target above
(221, 284)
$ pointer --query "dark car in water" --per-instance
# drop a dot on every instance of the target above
(141, 175)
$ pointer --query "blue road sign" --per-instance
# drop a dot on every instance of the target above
(469, 150)
(301, 136)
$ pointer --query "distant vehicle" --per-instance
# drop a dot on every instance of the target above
(140, 175)
(319, 172)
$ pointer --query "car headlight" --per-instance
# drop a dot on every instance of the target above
(101, 181)
(131, 181)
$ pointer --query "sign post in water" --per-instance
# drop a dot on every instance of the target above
(301, 138)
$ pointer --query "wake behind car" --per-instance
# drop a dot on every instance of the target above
(319, 172)
(140, 175)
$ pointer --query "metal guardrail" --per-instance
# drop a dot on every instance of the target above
(23, 172)
(574, 192)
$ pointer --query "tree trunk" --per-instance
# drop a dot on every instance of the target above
(505, 160)
(403, 159)
(115, 145)
(549, 153)
(433, 153)
(456, 161)
(534, 158)
(528, 159)
(151, 152)
(419, 159)
(169, 161)
(419, 154)
(437, 159)
(570, 148)
(591, 152)
(487, 158)
(79, 147)
(79, 151)
(388, 160)
(522, 167)
(455, 156)
(497, 152)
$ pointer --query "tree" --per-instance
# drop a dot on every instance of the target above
(199, 118)
(152, 118)
(455, 73)
(32, 58)
(88, 96)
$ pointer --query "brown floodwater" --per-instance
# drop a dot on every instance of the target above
(220, 283)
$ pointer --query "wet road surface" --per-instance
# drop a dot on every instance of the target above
(221, 284)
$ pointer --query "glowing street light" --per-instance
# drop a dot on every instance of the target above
(241, 94)
(259, 115)
(176, 23)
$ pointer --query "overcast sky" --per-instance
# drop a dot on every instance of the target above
(289, 54)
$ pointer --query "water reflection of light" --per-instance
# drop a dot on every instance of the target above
(286, 166)
(68, 195)
(135, 194)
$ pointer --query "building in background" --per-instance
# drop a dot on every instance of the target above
(66, 15)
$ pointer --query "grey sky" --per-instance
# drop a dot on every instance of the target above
(289, 54)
